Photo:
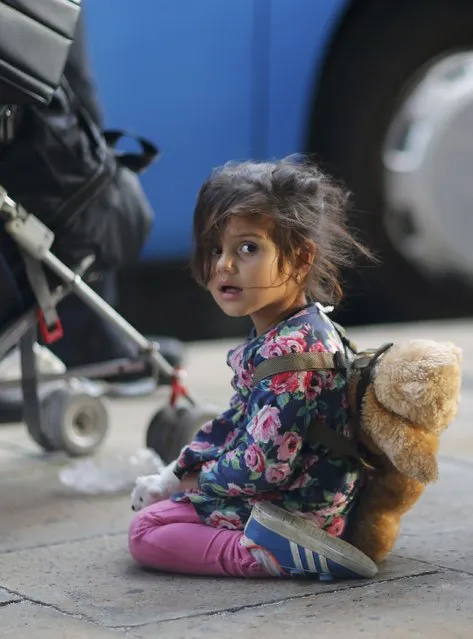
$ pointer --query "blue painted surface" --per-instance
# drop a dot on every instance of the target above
(300, 33)
(208, 81)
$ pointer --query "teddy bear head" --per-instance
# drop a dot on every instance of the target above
(419, 380)
(412, 397)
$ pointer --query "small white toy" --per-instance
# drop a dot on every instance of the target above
(152, 488)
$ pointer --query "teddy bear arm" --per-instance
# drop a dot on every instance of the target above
(411, 450)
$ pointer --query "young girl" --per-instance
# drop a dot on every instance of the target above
(250, 496)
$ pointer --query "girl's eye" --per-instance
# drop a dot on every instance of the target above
(248, 248)
(216, 251)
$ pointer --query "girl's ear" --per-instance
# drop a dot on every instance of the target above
(306, 256)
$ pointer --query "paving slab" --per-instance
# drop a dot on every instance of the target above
(26, 620)
(7, 597)
(96, 579)
(433, 607)
(67, 551)
(438, 529)
(37, 509)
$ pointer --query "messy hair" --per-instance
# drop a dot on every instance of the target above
(301, 202)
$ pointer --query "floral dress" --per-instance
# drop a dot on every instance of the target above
(256, 450)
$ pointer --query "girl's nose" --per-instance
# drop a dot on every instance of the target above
(225, 264)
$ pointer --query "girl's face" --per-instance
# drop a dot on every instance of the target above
(246, 278)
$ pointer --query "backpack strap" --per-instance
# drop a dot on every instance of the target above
(364, 363)
(318, 433)
(346, 341)
(299, 362)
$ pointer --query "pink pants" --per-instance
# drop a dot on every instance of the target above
(171, 537)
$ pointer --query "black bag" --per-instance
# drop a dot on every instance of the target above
(62, 169)
(35, 38)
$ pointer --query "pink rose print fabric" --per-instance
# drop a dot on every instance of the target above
(257, 449)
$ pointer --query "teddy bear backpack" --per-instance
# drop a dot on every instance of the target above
(395, 371)
(359, 367)
(401, 397)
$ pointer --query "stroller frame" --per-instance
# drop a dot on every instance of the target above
(34, 240)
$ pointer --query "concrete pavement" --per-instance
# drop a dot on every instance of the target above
(65, 571)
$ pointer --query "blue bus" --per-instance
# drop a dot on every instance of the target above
(380, 91)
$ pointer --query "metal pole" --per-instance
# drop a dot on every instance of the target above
(82, 290)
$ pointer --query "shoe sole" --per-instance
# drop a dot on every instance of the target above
(307, 535)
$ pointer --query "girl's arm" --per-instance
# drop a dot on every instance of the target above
(211, 435)
(279, 412)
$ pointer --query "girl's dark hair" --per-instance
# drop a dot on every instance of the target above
(301, 202)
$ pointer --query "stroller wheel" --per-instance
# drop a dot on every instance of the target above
(40, 438)
(172, 428)
(74, 422)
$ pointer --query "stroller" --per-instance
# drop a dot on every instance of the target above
(60, 162)
(70, 418)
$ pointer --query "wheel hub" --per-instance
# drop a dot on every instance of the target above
(82, 424)
(427, 161)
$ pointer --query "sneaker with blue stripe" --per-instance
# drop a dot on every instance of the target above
(301, 549)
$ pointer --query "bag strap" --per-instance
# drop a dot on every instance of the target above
(299, 362)
(364, 363)
(136, 162)
(318, 432)
(346, 341)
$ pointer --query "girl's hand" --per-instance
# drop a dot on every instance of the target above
(189, 482)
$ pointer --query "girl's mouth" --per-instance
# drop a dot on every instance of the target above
(230, 292)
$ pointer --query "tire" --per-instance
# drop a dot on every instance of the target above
(40, 437)
(171, 429)
(378, 52)
(161, 433)
(73, 422)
